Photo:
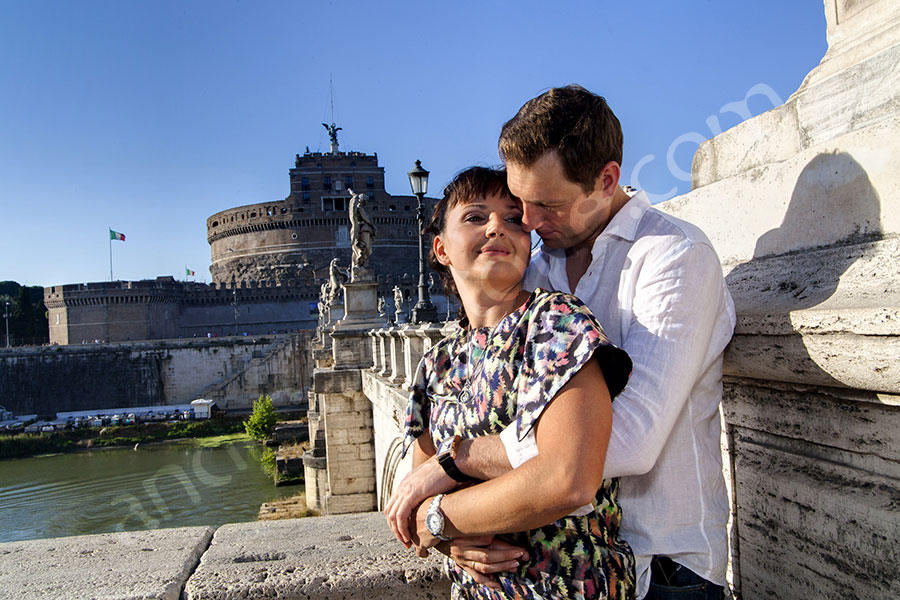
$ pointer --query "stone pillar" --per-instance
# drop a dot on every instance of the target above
(344, 413)
(802, 204)
(397, 361)
(349, 441)
(384, 346)
(377, 357)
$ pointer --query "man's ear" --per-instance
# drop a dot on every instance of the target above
(439, 251)
(608, 180)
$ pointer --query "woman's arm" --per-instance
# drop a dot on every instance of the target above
(572, 435)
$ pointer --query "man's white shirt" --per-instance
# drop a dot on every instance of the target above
(655, 285)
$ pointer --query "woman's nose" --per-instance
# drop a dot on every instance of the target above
(495, 227)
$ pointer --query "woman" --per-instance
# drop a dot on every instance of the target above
(531, 361)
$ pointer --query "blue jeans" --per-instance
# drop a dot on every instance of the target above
(676, 582)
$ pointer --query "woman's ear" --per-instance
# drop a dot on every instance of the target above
(440, 253)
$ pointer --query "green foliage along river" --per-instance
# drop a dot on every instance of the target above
(163, 485)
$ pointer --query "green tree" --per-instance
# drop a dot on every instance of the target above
(262, 420)
(27, 314)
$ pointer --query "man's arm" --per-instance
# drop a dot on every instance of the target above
(674, 326)
(481, 459)
(672, 335)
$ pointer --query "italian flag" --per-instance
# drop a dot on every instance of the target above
(188, 272)
(115, 235)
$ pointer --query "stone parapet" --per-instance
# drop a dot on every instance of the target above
(351, 556)
(316, 557)
(136, 564)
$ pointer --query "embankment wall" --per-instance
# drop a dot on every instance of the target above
(232, 370)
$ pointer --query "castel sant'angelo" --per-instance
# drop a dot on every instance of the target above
(268, 262)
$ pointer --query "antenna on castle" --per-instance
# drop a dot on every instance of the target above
(332, 129)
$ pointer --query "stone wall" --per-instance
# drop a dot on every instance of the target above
(802, 205)
(233, 371)
(163, 308)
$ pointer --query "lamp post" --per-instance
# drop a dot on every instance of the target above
(6, 316)
(424, 310)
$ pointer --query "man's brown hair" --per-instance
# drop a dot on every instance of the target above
(575, 123)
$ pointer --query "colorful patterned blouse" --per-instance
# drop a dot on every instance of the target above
(517, 368)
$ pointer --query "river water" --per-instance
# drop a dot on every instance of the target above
(156, 486)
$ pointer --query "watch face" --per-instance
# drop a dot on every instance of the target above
(434, 521)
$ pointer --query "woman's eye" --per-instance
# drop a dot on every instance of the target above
(474, 218)
(517, 219)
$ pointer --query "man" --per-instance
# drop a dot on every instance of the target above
(655, 285)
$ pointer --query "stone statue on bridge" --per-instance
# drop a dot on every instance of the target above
(398, 303)
(336, 278)
(362, 236)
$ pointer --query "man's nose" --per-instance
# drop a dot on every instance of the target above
(530, 218)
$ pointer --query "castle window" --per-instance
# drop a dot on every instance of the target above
(326, 182)
(253, 214)
(392, 207)
(306, 196)
(406, 207)
(352, 163)
(370, 181)
(334, 204)
(305, 183)
(215, 224)
(349, 180)
(283, 209)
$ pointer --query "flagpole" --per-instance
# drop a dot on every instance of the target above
(110, 255)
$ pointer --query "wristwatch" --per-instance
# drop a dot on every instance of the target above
(446, 457)
(434, 519)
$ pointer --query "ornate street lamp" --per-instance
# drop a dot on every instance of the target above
(424, 311)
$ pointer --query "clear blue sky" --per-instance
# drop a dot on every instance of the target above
(149, 116)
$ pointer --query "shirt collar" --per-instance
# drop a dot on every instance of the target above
(625, 223)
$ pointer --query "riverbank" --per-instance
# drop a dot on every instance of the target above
(24, 445)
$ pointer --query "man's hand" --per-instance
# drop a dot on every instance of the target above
(424, 481)
(483, 556)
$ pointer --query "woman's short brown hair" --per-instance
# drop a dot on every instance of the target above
(575, 123)
(468, 185)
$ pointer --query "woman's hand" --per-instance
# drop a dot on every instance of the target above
(424, 481)
(482, 556)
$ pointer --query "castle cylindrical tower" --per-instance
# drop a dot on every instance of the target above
(292, 241)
